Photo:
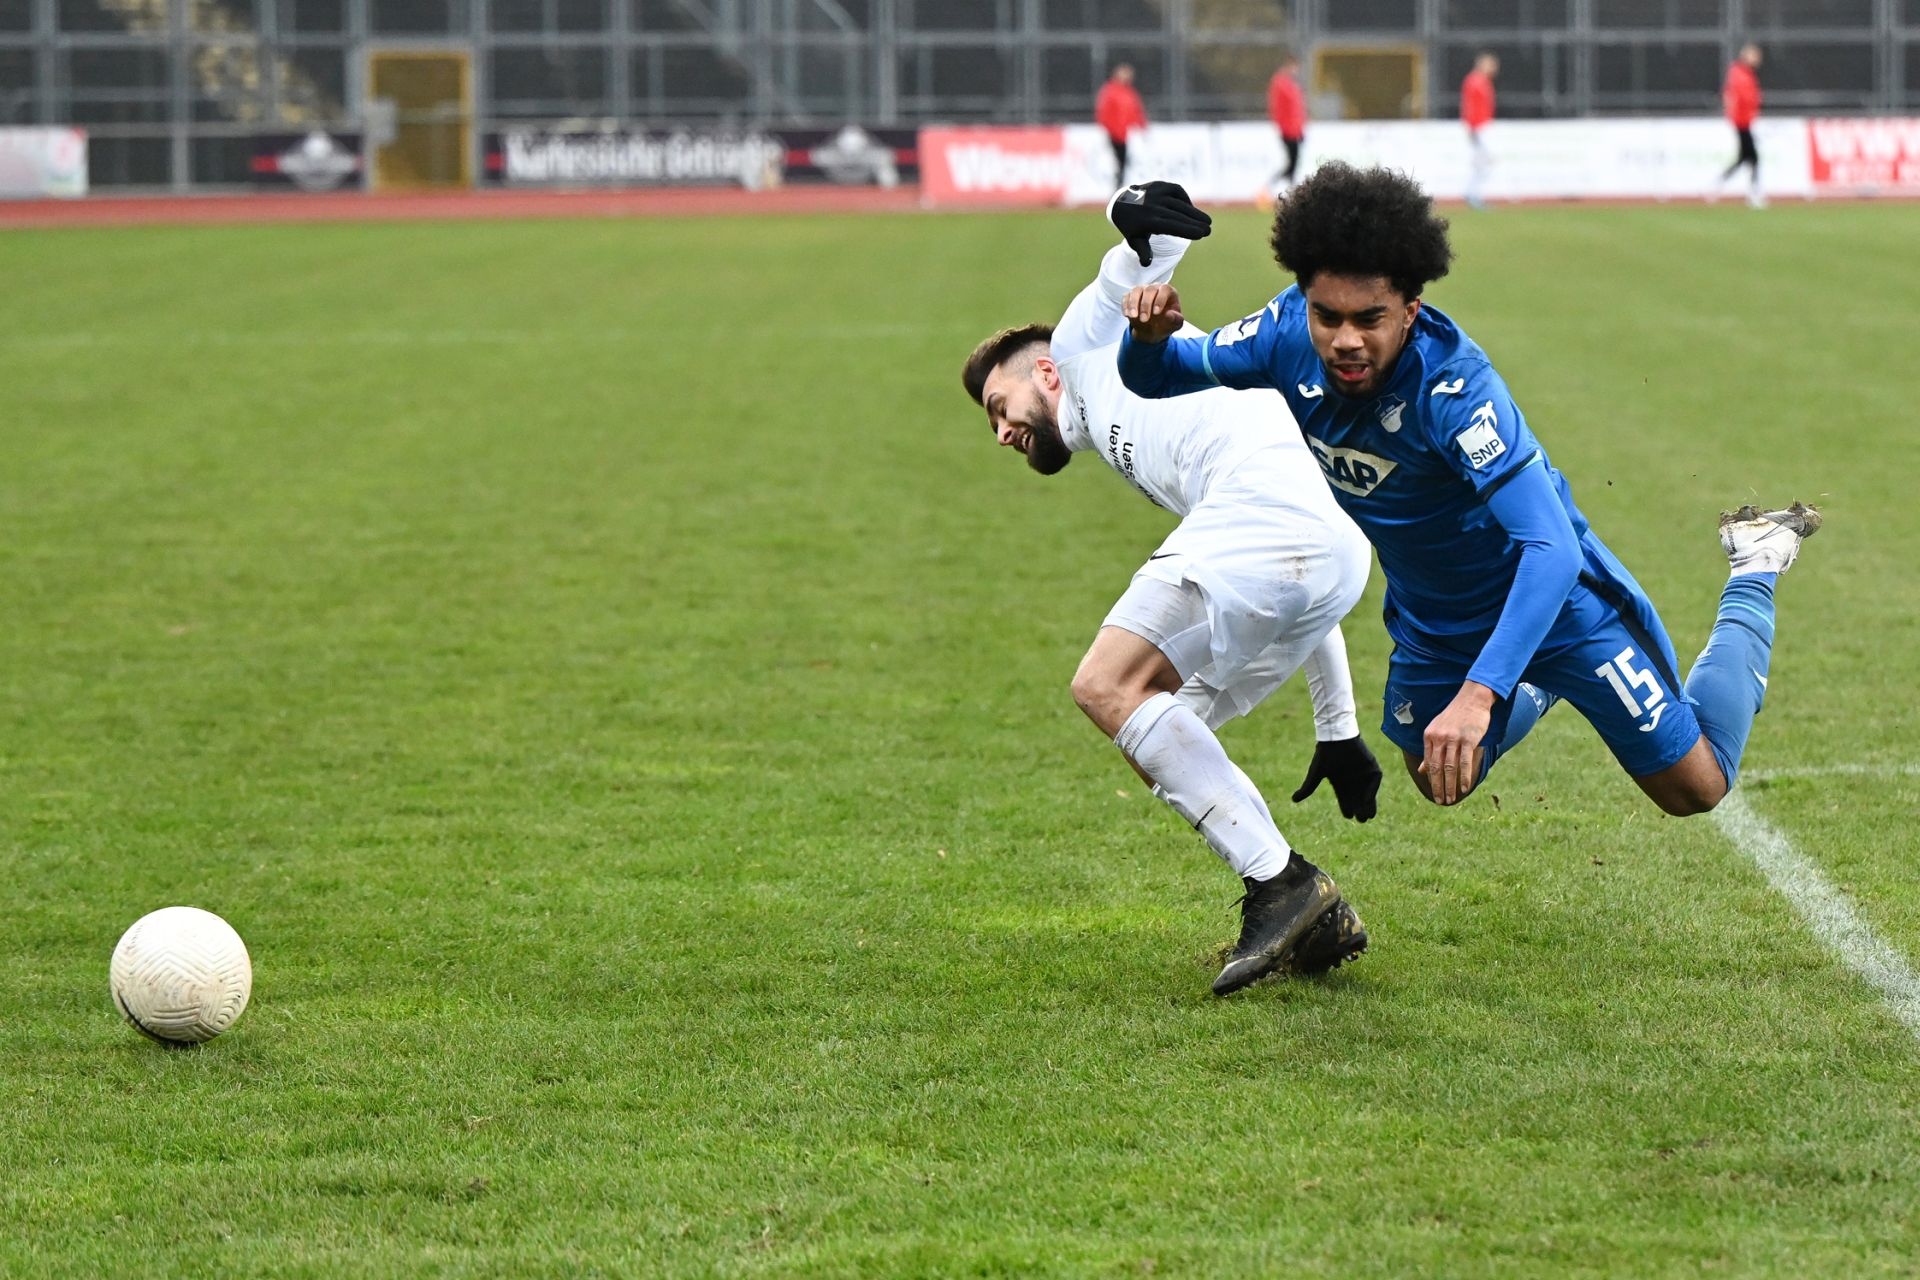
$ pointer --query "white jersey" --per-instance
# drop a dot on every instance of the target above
(1274, 559)
(1177, 451)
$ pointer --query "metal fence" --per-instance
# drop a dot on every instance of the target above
(172, 92)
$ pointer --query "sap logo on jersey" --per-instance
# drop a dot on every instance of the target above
(1481, 442)
(1350, 470)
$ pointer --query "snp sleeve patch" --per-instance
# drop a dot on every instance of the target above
(1481, 442)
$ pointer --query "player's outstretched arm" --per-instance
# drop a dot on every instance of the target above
(1529, 509)
(1155, 362)
(1157, 222)
(1330, 684)
(1340, 754)
(1150, 214)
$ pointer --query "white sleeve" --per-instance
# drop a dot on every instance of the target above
(1094, 319)
(1330, 681)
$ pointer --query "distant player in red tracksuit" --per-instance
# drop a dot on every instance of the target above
(1287, 108)
(1119, 110)
(1476, 112)
(1741, 98)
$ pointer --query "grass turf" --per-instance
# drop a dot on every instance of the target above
(610, 680)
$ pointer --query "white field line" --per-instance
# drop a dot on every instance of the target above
(1828, 912)
(1837, 771)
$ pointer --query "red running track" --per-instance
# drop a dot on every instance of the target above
(656, 202)
(682, 202)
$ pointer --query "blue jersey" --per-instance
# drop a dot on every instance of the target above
(1415, 466)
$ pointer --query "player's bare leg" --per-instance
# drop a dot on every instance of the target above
(1120, 671)
(1128, 687)
(1418, 773)
(1694, 785)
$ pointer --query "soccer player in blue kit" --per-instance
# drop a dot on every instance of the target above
(1500, 599)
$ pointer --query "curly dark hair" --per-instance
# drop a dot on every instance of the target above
(1361, 222)
(996, 351)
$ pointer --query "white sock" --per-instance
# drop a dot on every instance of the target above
(1193, 775)
(1258, 799)
(1251, 790)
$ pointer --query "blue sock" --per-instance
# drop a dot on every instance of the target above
(1729, 678)
(1530, 702)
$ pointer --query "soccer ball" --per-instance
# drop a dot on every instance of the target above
(181, 975)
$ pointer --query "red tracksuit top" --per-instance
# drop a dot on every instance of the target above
(1476, 100)
(1119, 109)
(1741, 96)
(1287, 106)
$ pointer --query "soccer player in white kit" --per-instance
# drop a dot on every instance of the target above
(1248, 589)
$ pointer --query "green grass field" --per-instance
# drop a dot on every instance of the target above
(611, 682)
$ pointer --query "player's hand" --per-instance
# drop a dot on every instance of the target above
(1153, 311)
(1452, 762)
(1148, 209)
(1352, 770)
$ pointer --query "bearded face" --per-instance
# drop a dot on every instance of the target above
(1025, 417)
(1046, 451)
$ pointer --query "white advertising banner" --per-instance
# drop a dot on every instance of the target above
(1639, 159)
(42, 162)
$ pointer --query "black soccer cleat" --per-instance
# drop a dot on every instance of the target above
(1335, 938)
(1274, 915)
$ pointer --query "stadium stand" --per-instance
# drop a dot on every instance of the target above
(174, 92)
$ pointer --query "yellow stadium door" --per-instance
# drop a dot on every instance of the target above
(431, 97)
(1373, 82)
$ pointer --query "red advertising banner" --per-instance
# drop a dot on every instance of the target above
(987, 165)
(1864, 155)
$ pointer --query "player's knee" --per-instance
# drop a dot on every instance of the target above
(1087, 689)
(1419, 779)
(1689, 801)
(1098, 693)
(1695, 785)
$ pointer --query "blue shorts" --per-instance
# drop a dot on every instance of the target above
(1608, 655)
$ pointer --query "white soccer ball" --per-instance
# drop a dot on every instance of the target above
(181, 975)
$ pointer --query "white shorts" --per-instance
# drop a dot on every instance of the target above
(1239, 595)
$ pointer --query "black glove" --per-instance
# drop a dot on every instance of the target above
(1352, 770)
(1156, 209)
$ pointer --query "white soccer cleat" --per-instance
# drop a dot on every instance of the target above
(1759, 541)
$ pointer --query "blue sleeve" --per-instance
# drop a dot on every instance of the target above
(1472, 421)
(1528, 507)
(1157, 370)
(1235, 355)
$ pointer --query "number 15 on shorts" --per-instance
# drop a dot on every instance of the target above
(1625, 677)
